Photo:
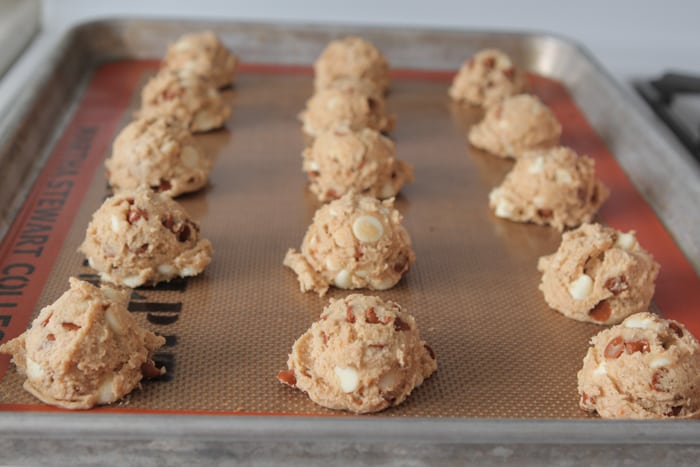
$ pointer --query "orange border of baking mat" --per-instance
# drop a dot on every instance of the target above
(29, 250)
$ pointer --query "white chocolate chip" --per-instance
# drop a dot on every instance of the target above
(504, 208)
(189, 157)
(333, 212)
(313, 166)
(659, 362)
(626, 241)
(563, 176)
(332, 264)
(348, 378)
(34, 370)
(581, 288)
(113, 322)
(189, 271)
(601, 369)
(636, 323)
(367, 229)
(116, 225)
(168, 147)
(167, 270)
(204, 121)
(388, 380)
(387, 191)
(537, 166)
(105, 393)
(382, 284)
(133, 281)
(538, 201)
(342, 279)
(361, 273)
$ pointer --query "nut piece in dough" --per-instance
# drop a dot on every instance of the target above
(598, 275)
(348, 105)
(202, 54)
(363, 355)
(487, 78)
(192, 100)
(515, 125)
(85, 349)
(351, 58)
(139, 237)
(554, 187)
(158, 153)
(646, 367)
(354, 242)
(363, 161)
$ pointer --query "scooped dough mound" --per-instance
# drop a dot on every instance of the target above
(554, 187)
(139, 237)
(158, 153)
(646, 367)
(192, 100)
(515, 125)
(598, 275)
(362, 161)
(351, 58)
(202, 54)
(347, 105)
(84, 349)
(354, 242)
(363, 355)
(487, 78)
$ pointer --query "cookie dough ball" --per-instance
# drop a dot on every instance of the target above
(598, 275)
(354, 242)
(84, 349)
(487, 78)
(363, 161)
(515, 125)
(192, 100)
(554, 187)
(158, 153)
(646, 367)
(363, 355)
(202, 54)
(351, 58)
(138, 237)
(348, 105)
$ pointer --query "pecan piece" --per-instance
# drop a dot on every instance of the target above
(401, 325)
(184, 234)
(675, 411)
(136, 214)
(614, 348)
(509, 73)
(637, 346)
(676, 328)
(545, 213)
(50, 337)
(430, 350)
(149, 370)
(371, 316)
(349, 315)
(601, 312)
(165, 185)
(656, 383)
(168, 222)
(70, 326)
(287, 377)
(489, 62)
(616, 285)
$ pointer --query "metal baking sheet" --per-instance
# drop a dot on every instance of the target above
(503, 355)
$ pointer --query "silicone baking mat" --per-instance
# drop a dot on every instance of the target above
(502, 353)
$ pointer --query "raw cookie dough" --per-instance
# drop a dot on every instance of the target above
(351, 58)
(363, 161)
(158, 153)
(84, 349)
(363, 355)
(598, 275)
(354, 242)
(202, 54)
(554, 187)
(348, 105)
(487, 78)
(192, 100)
(646, 367)
(515, 125)
(139, 237)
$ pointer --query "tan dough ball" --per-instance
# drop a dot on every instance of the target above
(160, 154)
(487, 78)
(351, 58)
(347, 105)
(515, 125)
(362, 161)
(363, 355)
(646, 367)
(191, 100)
(354, 242)
(85, 349)
(554, 187)
(599, 275)
(202, 54)
(139, 237)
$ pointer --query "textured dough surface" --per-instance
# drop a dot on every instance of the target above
(599, 275)
(202, 54)
(487, 78)
(340, 161)
(84, 349)
(363, 355)
(554, 187)
(160, 154)
(139, 237)
(192, 100)
(346, 105)
(515, 125)
(354, 242)
(646, 367)
(351, 58)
